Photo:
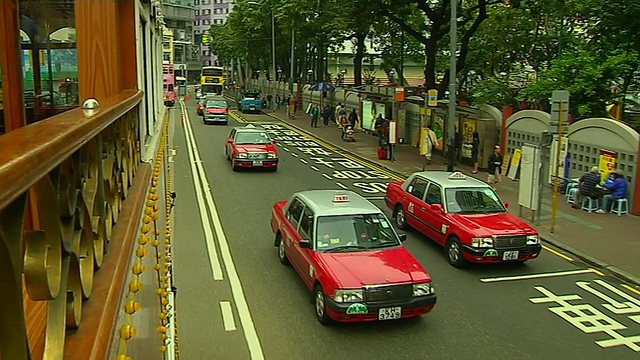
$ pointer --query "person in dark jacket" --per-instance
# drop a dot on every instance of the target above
(475, 148)
(353, 119)
(495, 166)
(587, 186)
(618, 187)
(378, 128)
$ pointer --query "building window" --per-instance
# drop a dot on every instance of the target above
(49, 61)
(206, 11)
(226, 11)
(197, 12)
(197, 23)
(206, 22)
(206, 2)
(217, 11)
(196, 2)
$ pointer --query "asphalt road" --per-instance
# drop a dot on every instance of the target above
(480, 314)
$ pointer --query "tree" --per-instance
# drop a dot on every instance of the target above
(428, 22)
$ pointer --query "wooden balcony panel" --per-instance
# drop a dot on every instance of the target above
(77, 168)
(45, 144)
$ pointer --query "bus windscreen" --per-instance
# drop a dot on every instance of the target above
(211, 72)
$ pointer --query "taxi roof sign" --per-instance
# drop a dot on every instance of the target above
(250, 126)
(457, 175)
(340, 198)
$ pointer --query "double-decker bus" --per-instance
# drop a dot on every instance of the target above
(212, 80)
(168, 85)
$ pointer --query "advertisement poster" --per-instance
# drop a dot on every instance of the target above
(554, 158)
(606, 163)
(370, 111)
(515, 164)
(468, 127)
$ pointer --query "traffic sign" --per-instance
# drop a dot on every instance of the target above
(432, 97)
(559, 112)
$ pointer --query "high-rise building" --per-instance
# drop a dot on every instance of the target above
(209, 12)
(179, 15)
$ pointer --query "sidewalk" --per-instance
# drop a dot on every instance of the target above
(606, 241)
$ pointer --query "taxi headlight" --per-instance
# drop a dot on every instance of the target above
(423, 289)
(241, 155)
(348, 295)
(272, 156)
(533, 239)
(482, 242)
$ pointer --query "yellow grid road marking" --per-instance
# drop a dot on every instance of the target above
(630, 288)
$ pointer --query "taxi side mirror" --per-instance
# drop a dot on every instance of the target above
(273, 142)
(305, 244)
(229, 141)
(402, 237)
(506, 204)
(437, 208)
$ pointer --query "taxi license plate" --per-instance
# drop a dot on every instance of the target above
(510, 255)
(252, 108)
(259, 163)
(390, 313)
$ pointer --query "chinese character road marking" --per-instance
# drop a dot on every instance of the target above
(627, 307)
(588, 319)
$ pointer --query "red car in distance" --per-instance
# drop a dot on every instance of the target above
(348, 255)
(464, 215)
(251, 147)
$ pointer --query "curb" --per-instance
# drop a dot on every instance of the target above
(547, 239)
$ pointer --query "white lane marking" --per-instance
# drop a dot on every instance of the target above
(227, 316)
(374, 198)
(304, 161)
(294, 154)
(285, 149)
(314, 168)
(342, 185)
(250, 333)
(537, 276)
(216, 269)
(327, 176)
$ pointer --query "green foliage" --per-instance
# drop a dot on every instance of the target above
(495, 91)
(588, 77)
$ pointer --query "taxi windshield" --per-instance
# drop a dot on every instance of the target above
(479, 200)
(252, 138)
(216, 104)
(354, 233)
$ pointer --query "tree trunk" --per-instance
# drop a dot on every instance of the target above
(357, 59)
(430, 50)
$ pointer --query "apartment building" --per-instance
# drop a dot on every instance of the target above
(209, 12)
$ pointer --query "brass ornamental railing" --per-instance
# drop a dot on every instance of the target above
(63, 183)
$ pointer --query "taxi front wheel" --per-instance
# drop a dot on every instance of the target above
(321, 307)
(454, 252)
(282, 254)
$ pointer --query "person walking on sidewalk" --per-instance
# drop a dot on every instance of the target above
(278, 101)
(353, 119)
(587, 186)
(475, 148)
(429, 142)
(495, 166)
(618, 187)
(314, 113)
(326, 115)
(378, 128)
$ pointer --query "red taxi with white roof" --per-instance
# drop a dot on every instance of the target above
(464, 215)
(348, 254)
(251, 147)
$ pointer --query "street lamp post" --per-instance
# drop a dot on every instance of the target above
(451, 129)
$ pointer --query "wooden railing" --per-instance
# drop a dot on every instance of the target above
(64, 184)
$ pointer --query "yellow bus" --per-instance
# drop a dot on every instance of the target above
(211, 80)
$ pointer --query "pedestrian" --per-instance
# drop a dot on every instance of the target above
(587, 186)
(475, 148)
(353, 119)
(326, 115)
(269, 100)
(278, 101)
(377, 125)
(495, 166)
(429, 142)
(337, 112)
(385, 136)
(618, 187)
(314, 112)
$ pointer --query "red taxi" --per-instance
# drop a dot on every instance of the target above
(463, 214)
(348, 254)
(251, 147)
